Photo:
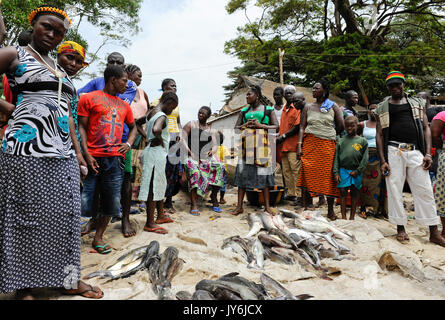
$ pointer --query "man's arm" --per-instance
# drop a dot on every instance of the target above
(83, 125)
(384, 166)
(428, 159)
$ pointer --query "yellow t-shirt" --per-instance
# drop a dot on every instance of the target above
(223, 153)
(172, 118)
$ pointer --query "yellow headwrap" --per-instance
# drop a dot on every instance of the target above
(71, 46)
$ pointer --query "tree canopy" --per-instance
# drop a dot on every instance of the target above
(116, 20)
(352, 44)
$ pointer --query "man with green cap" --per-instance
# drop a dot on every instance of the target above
(404, 145)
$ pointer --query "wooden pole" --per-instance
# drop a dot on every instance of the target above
(281, 54)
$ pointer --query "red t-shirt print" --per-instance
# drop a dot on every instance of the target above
(106, 116)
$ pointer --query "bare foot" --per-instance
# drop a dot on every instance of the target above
(90, 226)
(437, 238)
(321, 202)
(24, 294)
(127, 229)
(332, 216)
(85, 290)
(237, 211)
(402, 236)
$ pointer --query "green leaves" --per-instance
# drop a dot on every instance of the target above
(116, 19)
(344, 42)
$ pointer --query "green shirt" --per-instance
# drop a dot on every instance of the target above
(259, 115)
(351, 154)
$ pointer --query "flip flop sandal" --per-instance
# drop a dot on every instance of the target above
(164, 220)
(217, 209)
(195, 212)
(222, 201)
(104, 251)
(158, 230)
(91, 289)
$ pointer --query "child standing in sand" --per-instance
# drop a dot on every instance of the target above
(351, 158)
(154, 181)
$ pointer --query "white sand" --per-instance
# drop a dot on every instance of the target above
(361, 278)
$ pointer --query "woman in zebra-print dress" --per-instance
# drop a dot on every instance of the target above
(39, 169)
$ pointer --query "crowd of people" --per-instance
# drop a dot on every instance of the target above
(92, 152)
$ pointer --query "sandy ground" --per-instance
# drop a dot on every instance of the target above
(420, 273)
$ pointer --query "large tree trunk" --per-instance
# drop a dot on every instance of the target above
(343, 7)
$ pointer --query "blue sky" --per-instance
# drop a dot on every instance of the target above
(181, 35)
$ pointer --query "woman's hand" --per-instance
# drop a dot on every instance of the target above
(82, 162)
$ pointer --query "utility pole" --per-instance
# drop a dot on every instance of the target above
(281, 54)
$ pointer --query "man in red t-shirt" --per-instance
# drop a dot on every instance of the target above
(101, 116)
(289, 128)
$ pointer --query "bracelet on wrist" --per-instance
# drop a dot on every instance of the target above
(129, 145)
(428, 155)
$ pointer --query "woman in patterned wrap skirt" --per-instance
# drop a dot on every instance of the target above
(39, 169)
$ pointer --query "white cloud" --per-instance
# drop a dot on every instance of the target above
(187, 35)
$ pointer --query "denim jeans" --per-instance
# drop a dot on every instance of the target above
(109, 181)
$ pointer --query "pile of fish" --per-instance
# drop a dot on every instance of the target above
(299, 240)
(162, 268)
(234, 287)
(129, 263)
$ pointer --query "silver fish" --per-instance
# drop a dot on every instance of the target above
(311, 225)
(275, 289)
(202, 295)
(258, 252)
(183, 295)
(255, 224)
(305, 257)
(332, 254)
(289, 214)
(303, 234)
(279, 223)
(238, 245)
(257, 289)
(271, 241)
(319, 224)
(168, 256)
(266, 219)
(214, 285)
(128, 264)
(286, 238)
(283, 255)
